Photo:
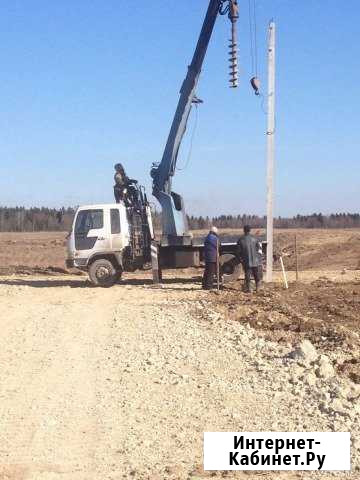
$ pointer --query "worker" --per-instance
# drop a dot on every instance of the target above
(120, 179)
(125, 188)
(211, 252)
(249, 255)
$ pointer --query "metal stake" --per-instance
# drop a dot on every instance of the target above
(217, 266)
(296, 259)
(284, 273)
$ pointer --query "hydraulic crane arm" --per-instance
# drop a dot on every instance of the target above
(173, 213)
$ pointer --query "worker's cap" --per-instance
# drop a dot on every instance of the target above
(214, 229)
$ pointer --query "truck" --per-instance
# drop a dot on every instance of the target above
(109, 239)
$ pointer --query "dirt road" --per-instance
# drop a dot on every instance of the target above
(122, 383)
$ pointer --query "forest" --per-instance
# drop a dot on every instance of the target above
(21, 219)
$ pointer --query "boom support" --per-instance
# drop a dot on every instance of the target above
(174, 223)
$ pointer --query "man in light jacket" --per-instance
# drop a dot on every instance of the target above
(211, 249)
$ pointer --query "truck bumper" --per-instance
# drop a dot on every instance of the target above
(76, 262)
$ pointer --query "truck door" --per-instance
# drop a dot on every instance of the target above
(115, 230)
(90, 230)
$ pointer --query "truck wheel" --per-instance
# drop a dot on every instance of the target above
(229, 267)
(102, 273)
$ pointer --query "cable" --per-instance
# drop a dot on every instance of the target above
(191, 141)
(251, 39)
(255, 40)
(262, 97)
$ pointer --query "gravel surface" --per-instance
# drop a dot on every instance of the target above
(122, 382)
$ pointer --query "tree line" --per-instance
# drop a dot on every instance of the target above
(21, 219)
(315, 220)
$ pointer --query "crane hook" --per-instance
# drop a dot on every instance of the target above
(255, 83)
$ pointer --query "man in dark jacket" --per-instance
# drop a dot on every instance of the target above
(211, 249)
(249, 254)
(120, 180)
(125, 188)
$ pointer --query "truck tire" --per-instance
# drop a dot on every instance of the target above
(102, 273)
(230, 268)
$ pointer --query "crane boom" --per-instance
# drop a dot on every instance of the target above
(174, 223)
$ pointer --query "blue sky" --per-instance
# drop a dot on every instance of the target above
(88, 83)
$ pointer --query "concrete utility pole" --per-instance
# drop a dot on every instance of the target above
(270, 151)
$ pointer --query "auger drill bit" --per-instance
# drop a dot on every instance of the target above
(233, 16)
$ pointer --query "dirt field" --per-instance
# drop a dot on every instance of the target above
(318, 249)
(121, 383)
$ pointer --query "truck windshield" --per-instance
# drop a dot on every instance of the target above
(89, 219)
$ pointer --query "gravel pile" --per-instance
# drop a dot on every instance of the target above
(191, 370)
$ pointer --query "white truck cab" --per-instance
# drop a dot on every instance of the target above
(102, 241)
